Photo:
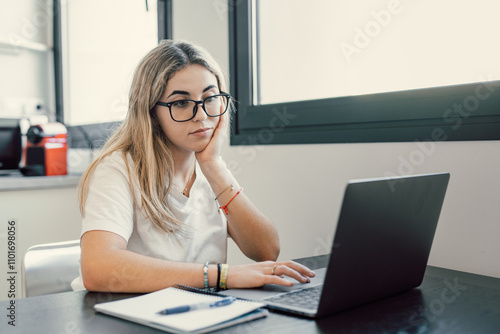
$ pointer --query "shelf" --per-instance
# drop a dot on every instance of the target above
(10, 47)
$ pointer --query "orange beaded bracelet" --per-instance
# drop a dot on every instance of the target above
(225, 206)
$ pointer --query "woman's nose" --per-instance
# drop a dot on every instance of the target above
(200, 114)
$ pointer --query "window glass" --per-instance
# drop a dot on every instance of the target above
(322, 49)
(103, 41)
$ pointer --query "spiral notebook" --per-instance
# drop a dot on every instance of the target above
(144, 310)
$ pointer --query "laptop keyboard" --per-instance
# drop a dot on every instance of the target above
(305, 298)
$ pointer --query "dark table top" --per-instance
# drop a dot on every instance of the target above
(448, 301)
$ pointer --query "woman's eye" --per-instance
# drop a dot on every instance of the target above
(210, 99)
(180, 104)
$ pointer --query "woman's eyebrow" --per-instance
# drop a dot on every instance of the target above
(209, 87)
(180, 92)
(183, 92)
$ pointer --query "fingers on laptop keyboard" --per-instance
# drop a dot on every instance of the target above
(288, 270)
(299, 268)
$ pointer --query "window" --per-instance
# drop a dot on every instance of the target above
(369, 71)
(102, 46)
(99, 45)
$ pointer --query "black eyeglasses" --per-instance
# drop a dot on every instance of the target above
(185, 110)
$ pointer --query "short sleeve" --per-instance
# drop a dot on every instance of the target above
(110, 205)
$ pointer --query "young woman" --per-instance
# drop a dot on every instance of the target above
(158, 203)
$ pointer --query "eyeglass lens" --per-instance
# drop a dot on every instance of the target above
(185, 109)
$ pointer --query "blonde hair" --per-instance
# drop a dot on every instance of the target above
(141, 136)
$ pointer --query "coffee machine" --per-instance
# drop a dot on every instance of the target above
(10, 145)
(46, 150)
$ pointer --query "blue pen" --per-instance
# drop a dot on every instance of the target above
(186, 308)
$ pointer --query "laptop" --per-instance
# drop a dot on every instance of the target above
(380, 248)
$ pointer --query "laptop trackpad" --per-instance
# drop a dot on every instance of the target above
(271, 290)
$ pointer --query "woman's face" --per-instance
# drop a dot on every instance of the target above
(193, 82)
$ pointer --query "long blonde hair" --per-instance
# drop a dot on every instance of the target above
(141, 136)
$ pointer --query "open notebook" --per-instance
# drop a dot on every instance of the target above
(144, 310)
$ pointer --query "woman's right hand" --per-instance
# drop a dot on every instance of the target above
(267, 272)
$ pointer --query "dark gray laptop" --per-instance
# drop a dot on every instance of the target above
(381, 246)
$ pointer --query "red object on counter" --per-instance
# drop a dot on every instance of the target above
(47, 150)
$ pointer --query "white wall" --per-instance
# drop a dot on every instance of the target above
(42, 216)
(300, 187)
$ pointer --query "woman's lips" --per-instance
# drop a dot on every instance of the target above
(202, 132)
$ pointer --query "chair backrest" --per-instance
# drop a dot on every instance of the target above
(50, 268)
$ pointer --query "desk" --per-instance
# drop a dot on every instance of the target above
(447, 302)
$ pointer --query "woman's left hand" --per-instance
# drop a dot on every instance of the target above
(213, 149)
(267, 272)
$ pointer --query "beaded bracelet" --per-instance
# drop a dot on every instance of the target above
(223, 277)
(205, 274)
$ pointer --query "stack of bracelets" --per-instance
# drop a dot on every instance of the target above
(224, 207)
(221, 267)
(221, 276)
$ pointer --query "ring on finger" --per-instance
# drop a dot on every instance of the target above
(274, 269)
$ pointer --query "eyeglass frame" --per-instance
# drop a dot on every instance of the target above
(195, 109)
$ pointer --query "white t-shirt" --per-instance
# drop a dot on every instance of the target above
(110, 207)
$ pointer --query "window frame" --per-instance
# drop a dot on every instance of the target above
(429, 113)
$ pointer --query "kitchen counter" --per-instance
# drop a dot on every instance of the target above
(17, 181)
